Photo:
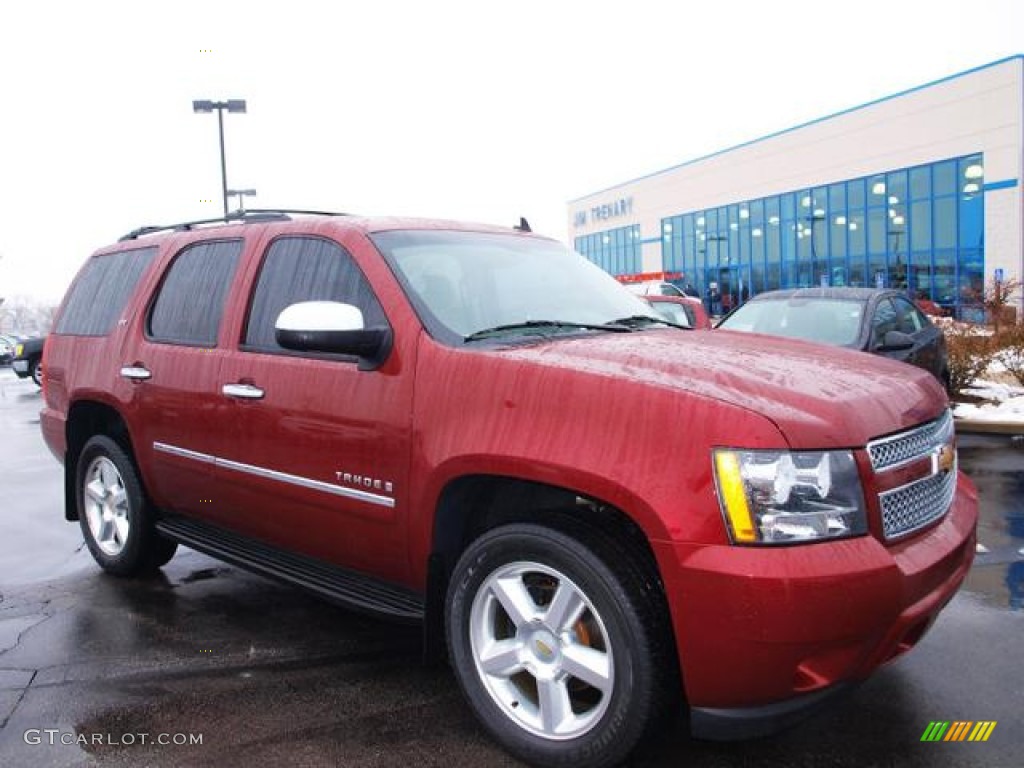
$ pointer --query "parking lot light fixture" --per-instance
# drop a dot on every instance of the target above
(205, 106)
(241, 194)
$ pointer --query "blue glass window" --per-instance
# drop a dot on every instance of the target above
(878, 222)
(921, 183)
(857, 229)
(855, 194)
(920, 229)
(921, 225)
(944, 178)
(617, 251)
(838, 226)
(896, 188)
(945, 222)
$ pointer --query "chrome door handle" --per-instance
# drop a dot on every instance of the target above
(136, 372)
(242, 391)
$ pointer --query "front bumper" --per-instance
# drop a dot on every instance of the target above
(20, 367)
(764, 634)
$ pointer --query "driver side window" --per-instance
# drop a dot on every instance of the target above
(883, 321)
(911, 319)
(305, 269)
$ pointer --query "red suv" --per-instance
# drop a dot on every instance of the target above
(597, 513)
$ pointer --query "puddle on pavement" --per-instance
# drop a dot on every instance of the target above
(996, 465)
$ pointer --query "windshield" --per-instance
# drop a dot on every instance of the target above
(829, 321)
(463, 283)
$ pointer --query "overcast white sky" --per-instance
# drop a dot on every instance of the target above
(482, 111)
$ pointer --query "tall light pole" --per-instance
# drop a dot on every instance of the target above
(231, 105)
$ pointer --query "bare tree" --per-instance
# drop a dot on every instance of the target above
(26, 316)
(998, 300)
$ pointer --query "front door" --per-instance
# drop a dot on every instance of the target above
(315, 456)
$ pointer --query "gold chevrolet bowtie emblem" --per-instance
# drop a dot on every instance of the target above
(943, 459)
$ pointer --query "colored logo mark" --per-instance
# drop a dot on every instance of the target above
(958, 730)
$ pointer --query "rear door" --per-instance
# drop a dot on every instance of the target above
(314, 451)
(173, 369)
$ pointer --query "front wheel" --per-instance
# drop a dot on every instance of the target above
(561, 656)
(35, 370)
(116, 518)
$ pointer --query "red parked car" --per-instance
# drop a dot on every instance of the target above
(682, 310)
(598, 515)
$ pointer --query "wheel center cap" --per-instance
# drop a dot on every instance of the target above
(544, 646)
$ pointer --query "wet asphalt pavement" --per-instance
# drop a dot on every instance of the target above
(96, 670)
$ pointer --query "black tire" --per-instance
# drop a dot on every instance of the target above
(131, 545)
(35, 370)
(623, 619)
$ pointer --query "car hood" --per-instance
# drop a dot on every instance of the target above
(818, 396)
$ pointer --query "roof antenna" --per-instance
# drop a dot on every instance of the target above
(524, 225)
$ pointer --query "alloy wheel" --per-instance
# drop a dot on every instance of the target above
(106, 506)
(541, 650)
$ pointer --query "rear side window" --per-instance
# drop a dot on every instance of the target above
(190, 304)
(306, 269)
(99, 295)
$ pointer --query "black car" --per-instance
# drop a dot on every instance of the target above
(884, 322)
(28, 358)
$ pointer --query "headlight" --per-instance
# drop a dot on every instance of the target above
(781, 497)
(18, 349)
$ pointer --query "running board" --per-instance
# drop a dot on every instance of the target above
(351, 589)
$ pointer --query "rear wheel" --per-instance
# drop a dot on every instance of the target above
(116, 518)
(561, 656)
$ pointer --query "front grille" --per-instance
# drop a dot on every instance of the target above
(916, 504)
(895, 450)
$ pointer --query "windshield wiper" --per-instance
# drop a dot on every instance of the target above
(528, 325)
(635, 322)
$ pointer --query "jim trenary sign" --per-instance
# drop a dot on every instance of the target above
(611, 210)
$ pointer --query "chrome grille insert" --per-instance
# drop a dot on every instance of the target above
(916, 504)
(896, 450)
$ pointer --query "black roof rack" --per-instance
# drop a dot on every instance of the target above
(249, 215)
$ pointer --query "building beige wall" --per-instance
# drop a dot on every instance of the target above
(980, 111)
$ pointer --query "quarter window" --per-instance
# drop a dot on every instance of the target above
(190, 304)
(306, 269)
(99, 295)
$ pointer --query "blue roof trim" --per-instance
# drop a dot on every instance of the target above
(1015, 57)
(649, 240)
(993, 185)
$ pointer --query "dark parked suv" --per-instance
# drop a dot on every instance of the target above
(597, 515)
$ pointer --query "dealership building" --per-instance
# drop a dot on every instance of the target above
(919, 191)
